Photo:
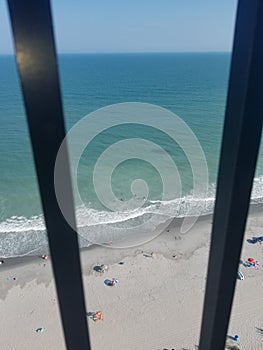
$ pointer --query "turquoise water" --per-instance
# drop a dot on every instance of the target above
(193, 86)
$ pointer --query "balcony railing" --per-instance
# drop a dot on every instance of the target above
(37, 64)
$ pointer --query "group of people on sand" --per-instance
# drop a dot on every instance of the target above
(98, 315)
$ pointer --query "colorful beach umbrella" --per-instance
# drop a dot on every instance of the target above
(260, 239)
(251, 260)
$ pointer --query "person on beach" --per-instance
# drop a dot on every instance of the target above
(98, 316)
(256, 264)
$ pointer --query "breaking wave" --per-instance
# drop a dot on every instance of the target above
(21, 236)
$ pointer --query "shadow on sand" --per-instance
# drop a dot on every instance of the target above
(259, 330)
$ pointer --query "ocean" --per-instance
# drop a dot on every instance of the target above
(117, 91)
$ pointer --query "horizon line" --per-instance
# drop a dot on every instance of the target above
(124, 52)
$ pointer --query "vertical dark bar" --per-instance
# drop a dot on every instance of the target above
(241, 138)
(36, 58)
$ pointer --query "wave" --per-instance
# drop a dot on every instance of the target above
(20, 236)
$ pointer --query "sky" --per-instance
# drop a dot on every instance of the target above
(100, 26)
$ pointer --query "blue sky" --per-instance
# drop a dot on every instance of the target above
(83, 26)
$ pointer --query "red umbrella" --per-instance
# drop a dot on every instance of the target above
(251, 260)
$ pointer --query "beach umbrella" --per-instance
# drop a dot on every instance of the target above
(251, 260)
(260, 239)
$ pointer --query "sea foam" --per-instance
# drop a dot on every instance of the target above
(20, 236)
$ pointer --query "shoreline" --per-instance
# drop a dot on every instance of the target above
(173, 226)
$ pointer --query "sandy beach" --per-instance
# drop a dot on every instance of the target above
(156, 305)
